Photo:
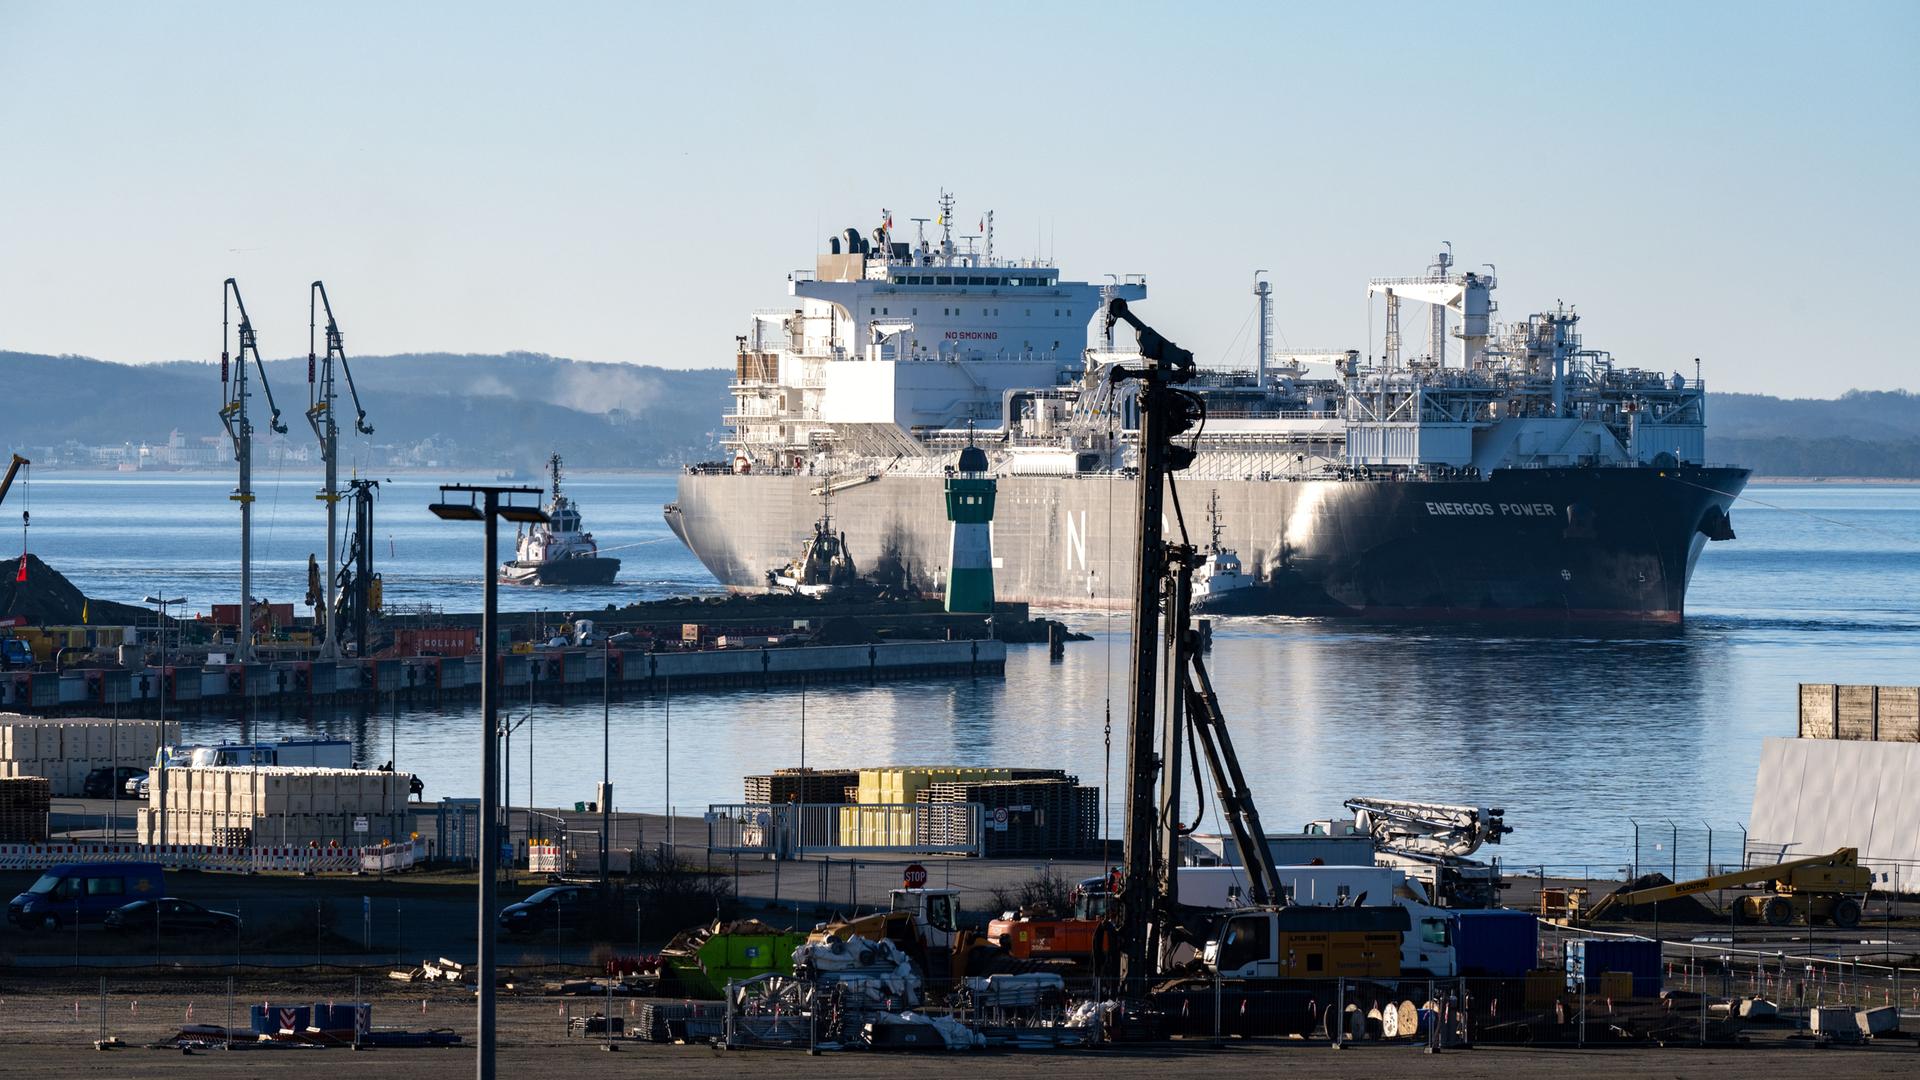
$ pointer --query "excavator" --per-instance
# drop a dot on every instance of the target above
(1817, 889)
(1081, 938)
(924, 922)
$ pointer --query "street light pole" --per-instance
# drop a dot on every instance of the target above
(488, 514)
(489, 785)
(606, 757)
(161, 604)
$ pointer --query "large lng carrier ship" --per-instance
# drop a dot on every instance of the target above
(1506, 471)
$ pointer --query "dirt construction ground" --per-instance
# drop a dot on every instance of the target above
(578, 1061)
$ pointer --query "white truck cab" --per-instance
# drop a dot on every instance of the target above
(1426, 947)
(936, 910)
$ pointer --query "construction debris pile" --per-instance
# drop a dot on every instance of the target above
(861, 993)
(701, 961)
(46, 598)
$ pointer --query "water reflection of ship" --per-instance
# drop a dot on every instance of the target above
(558, 552)
(1219, 580)
(824, 564)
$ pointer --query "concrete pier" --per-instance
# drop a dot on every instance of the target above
(553, 673)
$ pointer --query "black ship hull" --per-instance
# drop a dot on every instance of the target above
(1547, 544)
(581, 571)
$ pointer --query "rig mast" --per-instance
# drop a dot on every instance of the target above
(233, 414)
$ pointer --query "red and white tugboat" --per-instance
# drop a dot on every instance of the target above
(558, 552)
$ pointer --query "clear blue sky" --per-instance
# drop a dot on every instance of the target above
(625, 182)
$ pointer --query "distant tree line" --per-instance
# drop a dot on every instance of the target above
(1837, 456)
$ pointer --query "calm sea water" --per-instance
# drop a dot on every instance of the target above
(1576, 735)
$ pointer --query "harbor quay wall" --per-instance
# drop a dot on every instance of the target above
(551, 673)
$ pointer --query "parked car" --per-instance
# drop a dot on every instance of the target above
(558, 905)
(101, 782)
(169, 915)
(136, 786)
(83, 893)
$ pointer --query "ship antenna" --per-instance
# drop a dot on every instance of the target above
(553, 465)
(946, 225)
(1213, 517)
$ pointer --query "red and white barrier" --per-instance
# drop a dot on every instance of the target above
(545, 859)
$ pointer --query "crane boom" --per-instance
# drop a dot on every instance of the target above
(1428, 829)
(13, 470)
(1839, 871)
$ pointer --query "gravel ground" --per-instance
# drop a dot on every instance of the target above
(575, 1059)
(47, 1027)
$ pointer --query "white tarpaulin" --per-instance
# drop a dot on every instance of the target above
(1813, 796)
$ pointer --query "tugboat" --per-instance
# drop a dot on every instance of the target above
(1220, 577)
(558, 553)
(824, 564)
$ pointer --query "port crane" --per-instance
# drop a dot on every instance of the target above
(321, 416)
(233, 414)
(1145, 912)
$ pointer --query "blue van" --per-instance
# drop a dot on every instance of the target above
(84, 893)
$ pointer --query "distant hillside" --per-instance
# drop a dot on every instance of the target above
(1860, 433)
(510, 411)
(1869, 415)
(495, 411)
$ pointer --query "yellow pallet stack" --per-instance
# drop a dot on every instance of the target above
(881, 820)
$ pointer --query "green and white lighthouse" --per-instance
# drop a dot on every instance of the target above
(970, 489)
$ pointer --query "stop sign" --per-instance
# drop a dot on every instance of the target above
(915, 876)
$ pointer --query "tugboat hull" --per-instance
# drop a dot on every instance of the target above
(583, 571)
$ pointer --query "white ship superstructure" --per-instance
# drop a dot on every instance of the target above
(891, 340)
(1503, 469)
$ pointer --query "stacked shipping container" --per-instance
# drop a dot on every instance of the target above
(65, 751)
(238, 807)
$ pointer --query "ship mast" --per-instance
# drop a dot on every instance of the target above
(946, 228)
(233, 414)
(320, 414)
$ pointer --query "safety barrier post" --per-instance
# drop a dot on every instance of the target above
(1337, 1024)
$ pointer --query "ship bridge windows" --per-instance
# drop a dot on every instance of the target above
(942, 279)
